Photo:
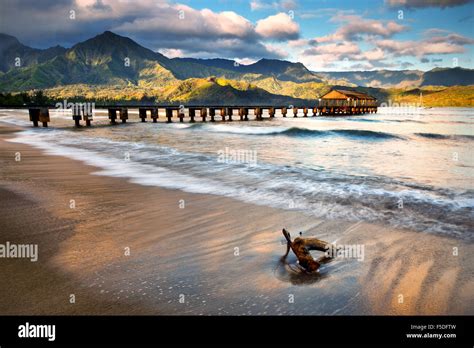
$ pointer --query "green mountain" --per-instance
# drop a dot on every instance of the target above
(105, 59)
(13, 53)
(279, 69)
(376, 78)
(401, 78)
(109, 58)
(448, 77)
(110, 67)
(222, 91)
(216, 91)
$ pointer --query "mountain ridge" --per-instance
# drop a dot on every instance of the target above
(115, 63)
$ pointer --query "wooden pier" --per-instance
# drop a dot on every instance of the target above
(200, 114)
(335, 103)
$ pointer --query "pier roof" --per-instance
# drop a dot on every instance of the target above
(344, 94)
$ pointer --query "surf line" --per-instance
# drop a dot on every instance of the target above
(11, 250)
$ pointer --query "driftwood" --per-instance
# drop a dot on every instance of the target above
(301, 248)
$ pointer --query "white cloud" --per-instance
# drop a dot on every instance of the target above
(157, 24)
(172, 52)
(354, 27)
(338, 50)
(184, 21)
(256, 5)
(298, 43)
(280, 52)
(280, 26)
(418, 48)
(246, 61)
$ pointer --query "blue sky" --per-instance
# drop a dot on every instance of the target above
(324, 35)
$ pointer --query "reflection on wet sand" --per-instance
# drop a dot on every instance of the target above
(418, 275)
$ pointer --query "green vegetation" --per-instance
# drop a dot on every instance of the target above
(222, 91)
(435, 96)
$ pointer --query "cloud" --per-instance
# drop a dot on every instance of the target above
(279, 27)
(199, 32)
(417, 48)
(346, 50)
(406, 65)
(99, 5)
(369, 42)
(246, 61)
(172, 52)
(157, 24)
(361, 66)
(426, 3)
(375, 54)
(452, 38)
(338, 50)
(435, 41)
(279, 52)
(354, 28)
(181, 21)
(256, 5)
(298, 43)
(288, 4)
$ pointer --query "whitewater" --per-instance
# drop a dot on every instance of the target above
(412, 171)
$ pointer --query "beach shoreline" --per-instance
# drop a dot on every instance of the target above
(123, 248)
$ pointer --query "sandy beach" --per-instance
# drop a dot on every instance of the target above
(200, 254)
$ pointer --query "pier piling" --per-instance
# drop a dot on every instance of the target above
(34, 116)
(76, 116)
(112, 115)
(295, 112)
(87, 115)
(258, 113)
(169, 115)
(241, 113)
(192, 114)
(271, 112)
(154, 114)
(142, 114)
(212, 113)
(124, 115)
(229, 112)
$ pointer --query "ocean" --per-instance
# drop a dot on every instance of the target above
(409, 170)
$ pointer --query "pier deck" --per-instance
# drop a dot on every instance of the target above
(84, 112)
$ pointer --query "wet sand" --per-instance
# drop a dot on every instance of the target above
(215, 255)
